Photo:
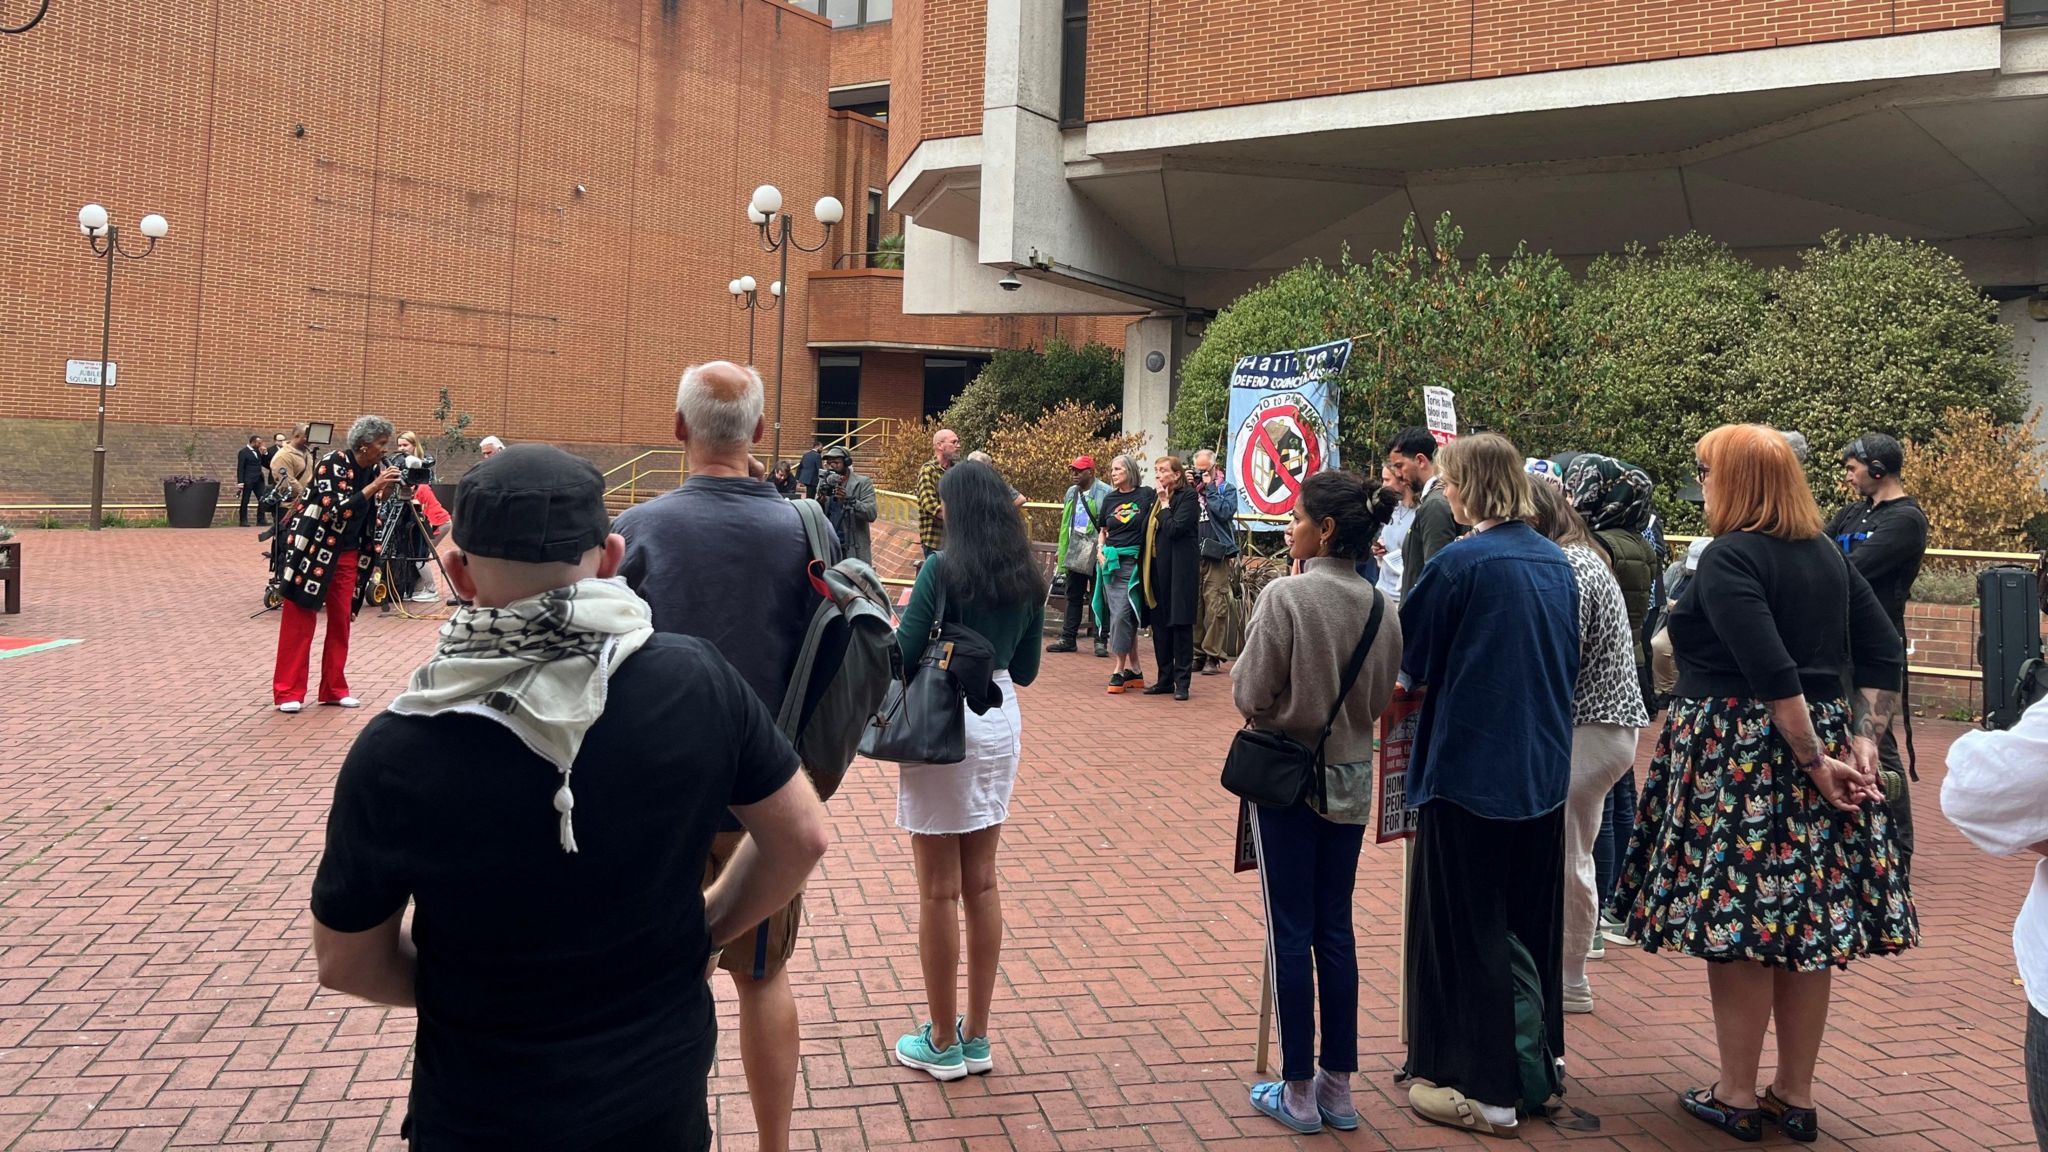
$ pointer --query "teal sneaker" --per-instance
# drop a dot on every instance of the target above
(974, 1053)
(916, 1051)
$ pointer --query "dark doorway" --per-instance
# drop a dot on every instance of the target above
(945, 377)
(838, 391)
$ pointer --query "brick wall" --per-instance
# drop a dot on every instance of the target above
(1943, 636)
(424, 233)
(1147, 57)
(860, 306)
(936, 83)
(860, 147)
(892, 385)
(906, 79)
(861, 55)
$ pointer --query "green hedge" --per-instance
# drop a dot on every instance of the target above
(1639, 357)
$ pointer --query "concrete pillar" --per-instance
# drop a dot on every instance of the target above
(2029, 347)
(1153, 350)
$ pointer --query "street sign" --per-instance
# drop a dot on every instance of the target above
(87, 372)
(1440, 410)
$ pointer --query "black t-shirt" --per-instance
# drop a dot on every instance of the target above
(562, 997)
(1886, 543)
(1123, 517)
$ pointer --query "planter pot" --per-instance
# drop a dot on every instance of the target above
(192, 505)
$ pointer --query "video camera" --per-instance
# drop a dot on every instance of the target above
(414, 471)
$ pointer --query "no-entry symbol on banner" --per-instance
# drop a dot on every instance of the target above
(1278, 448)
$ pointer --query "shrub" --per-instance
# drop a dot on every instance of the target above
(894, 468)
(1026, 382)
(1034, 455)
(1660, 335)
(49, 520)
(1296, 309)
(1940, 583)
(1979, 482)
(1873, 333)
(1419, 315)
(888, 252)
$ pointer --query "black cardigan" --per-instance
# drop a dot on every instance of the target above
(1175, 563)
(1766, 618)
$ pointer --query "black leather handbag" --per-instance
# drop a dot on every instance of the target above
(1275, 769)
(923, 718)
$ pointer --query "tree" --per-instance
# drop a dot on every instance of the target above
(1873, 334)
(1028, 382)
(1979, 482)
(1660, 335)
(1296, 309)
(1034, 455)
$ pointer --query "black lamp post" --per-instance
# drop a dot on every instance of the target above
(34, 20)
(746, 296)
(765, 211)
(105, 239)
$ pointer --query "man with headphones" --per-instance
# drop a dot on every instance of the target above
(1884, 535)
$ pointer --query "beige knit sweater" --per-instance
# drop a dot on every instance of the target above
(1300, 637)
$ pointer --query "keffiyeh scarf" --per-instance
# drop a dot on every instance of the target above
(539, 666)
(1608, 492)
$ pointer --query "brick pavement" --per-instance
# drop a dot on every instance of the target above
(160, 826)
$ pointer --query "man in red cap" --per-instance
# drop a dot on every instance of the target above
(1080, 531)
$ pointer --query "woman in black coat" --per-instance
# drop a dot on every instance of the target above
(1173, 590)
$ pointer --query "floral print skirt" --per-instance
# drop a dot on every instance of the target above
(1737, 857)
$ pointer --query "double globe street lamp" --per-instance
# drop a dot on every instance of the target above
(747, 298)
(104, 237)
(765, 212)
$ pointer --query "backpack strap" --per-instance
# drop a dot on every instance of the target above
(818, 531)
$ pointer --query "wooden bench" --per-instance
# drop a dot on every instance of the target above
(10, 575)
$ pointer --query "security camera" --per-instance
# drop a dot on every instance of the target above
(1009, 284)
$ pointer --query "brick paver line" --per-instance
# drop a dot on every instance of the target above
(160, 826)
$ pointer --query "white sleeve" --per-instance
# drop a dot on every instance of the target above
(1996, 791)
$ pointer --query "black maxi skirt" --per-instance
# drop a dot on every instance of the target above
(1472, 882)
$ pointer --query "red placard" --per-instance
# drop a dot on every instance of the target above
(1397, 743)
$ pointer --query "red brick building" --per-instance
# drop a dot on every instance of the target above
(534, 206)
(1169, 155)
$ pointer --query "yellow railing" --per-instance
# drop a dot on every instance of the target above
(866, 435)
(649, 474)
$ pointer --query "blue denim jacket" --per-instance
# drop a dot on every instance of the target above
(1492, 630)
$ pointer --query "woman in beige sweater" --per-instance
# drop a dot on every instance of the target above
(1301, 638)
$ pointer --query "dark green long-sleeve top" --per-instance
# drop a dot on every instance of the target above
(1015, 633)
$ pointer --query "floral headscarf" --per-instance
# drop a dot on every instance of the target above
(1608, 492)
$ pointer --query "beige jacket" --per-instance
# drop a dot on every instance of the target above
(1300, 637)
(292, 469)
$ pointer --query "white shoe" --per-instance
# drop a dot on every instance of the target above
(290, 706)
(424, 597)
(1578, 1000)
(1599, 949)
(346, 702)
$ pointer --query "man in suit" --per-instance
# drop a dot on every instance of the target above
(249, 472)
(1412, 453)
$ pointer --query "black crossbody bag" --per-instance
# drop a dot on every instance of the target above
(1275, 769)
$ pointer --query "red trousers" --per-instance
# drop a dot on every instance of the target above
(295, 640)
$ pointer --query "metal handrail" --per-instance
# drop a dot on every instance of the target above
(1932, 553)
(630, 486)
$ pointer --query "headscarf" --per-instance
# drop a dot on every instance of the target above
(1608, 492)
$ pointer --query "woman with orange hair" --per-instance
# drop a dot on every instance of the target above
(1762, 842)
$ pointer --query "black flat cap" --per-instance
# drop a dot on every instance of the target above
(531, 503)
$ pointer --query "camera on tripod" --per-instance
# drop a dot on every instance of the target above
(414, 471)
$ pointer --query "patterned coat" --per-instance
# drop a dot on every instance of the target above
(334, 500)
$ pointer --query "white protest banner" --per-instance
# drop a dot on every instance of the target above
(1440, 409)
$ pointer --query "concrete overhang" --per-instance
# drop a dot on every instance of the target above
(1938, 135)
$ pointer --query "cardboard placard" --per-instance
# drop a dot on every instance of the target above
(1397, 743)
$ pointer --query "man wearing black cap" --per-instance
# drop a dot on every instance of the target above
(545, 795)
(1884, 535)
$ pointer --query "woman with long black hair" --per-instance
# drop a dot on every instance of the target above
(987, 580)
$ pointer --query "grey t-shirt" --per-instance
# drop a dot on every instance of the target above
(724, 559)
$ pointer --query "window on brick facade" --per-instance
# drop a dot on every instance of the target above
(848, 13)
(1073, 62)
(838, 392)
(2026, 13)
(945, 377)
(874, 231)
